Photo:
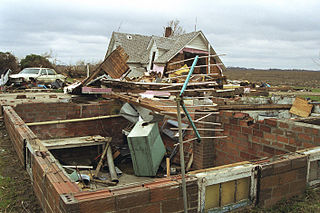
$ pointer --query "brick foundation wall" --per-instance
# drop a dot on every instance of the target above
(249, 140)
(48, 180)
(109, 127)
(282, 178)
(36, 112)
(162, 195)
(57, 193)
(17, 130)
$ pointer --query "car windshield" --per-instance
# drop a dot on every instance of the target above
(29, 71)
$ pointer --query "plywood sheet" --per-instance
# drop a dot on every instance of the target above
(301, 107)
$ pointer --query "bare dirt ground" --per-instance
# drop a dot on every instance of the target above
(276, 77)
(16, 192)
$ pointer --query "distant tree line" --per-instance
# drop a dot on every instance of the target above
(9, 61)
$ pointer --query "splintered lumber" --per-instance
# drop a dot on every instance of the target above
(254, 106)
(96, 172)
(191, 59)
(78, 167)
(106, 182)
(168, 166)
(63, 143)
(301, 107)
(72, 120)
(201, 129)
(171, 71)
(115, 65)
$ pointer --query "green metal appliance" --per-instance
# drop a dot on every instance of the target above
(146, 148)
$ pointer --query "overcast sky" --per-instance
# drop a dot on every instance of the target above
(253, 33)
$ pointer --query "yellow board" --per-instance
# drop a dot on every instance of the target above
(212, 196)
(301, 107)
(227, 193)
(183, 70)
(242, 189)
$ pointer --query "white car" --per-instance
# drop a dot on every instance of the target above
(43, 75)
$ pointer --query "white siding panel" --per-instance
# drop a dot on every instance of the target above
(198, 43)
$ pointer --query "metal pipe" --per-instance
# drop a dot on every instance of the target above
(183, 172)
(189, 75)
(191, 122)
(112, 169)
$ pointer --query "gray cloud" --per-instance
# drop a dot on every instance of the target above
(262, 34)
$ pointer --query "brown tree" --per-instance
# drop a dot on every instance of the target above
(34, 60)
(8, 61)
(175, 26)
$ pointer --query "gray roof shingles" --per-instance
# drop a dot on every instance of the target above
(136, 45)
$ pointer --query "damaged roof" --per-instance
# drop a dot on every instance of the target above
(137, 46)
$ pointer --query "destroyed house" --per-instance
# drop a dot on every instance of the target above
(161, 54)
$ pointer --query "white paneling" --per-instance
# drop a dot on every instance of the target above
(198, 43)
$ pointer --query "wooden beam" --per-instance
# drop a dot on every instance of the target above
(255, 107)
(190, 59)
(72, 120)
(63, 143)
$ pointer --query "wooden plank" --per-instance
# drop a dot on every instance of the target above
(254, 106)
(301, 107)
(114, 65)
(72, 120)
(101, 159)
(63, 143)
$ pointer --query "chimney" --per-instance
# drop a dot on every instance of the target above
(168, 32)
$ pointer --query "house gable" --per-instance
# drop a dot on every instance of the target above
(198, 43)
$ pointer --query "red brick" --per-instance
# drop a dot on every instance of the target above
(299, 162)
(269, 136)
(256, 139)
(316, 140)
(240, 115)
(297, 129)
(153, 208)
(244, 123)
(246, 130)
(298, 186)
(268, 150)
(290, 148)
(307, 145)
(271, 122)
(288, 177)
(282, 166)
(280, 190)
(167, 192)
(236, 128)
(305, 137)
(257, 133)
(265, 128)
(133, 199)
(283, 125)
(269, 182)
(311, 131)
(98, 205)
(282, 139)
(228, 113)
(277, 131)
(174, 205)
(234, 121)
